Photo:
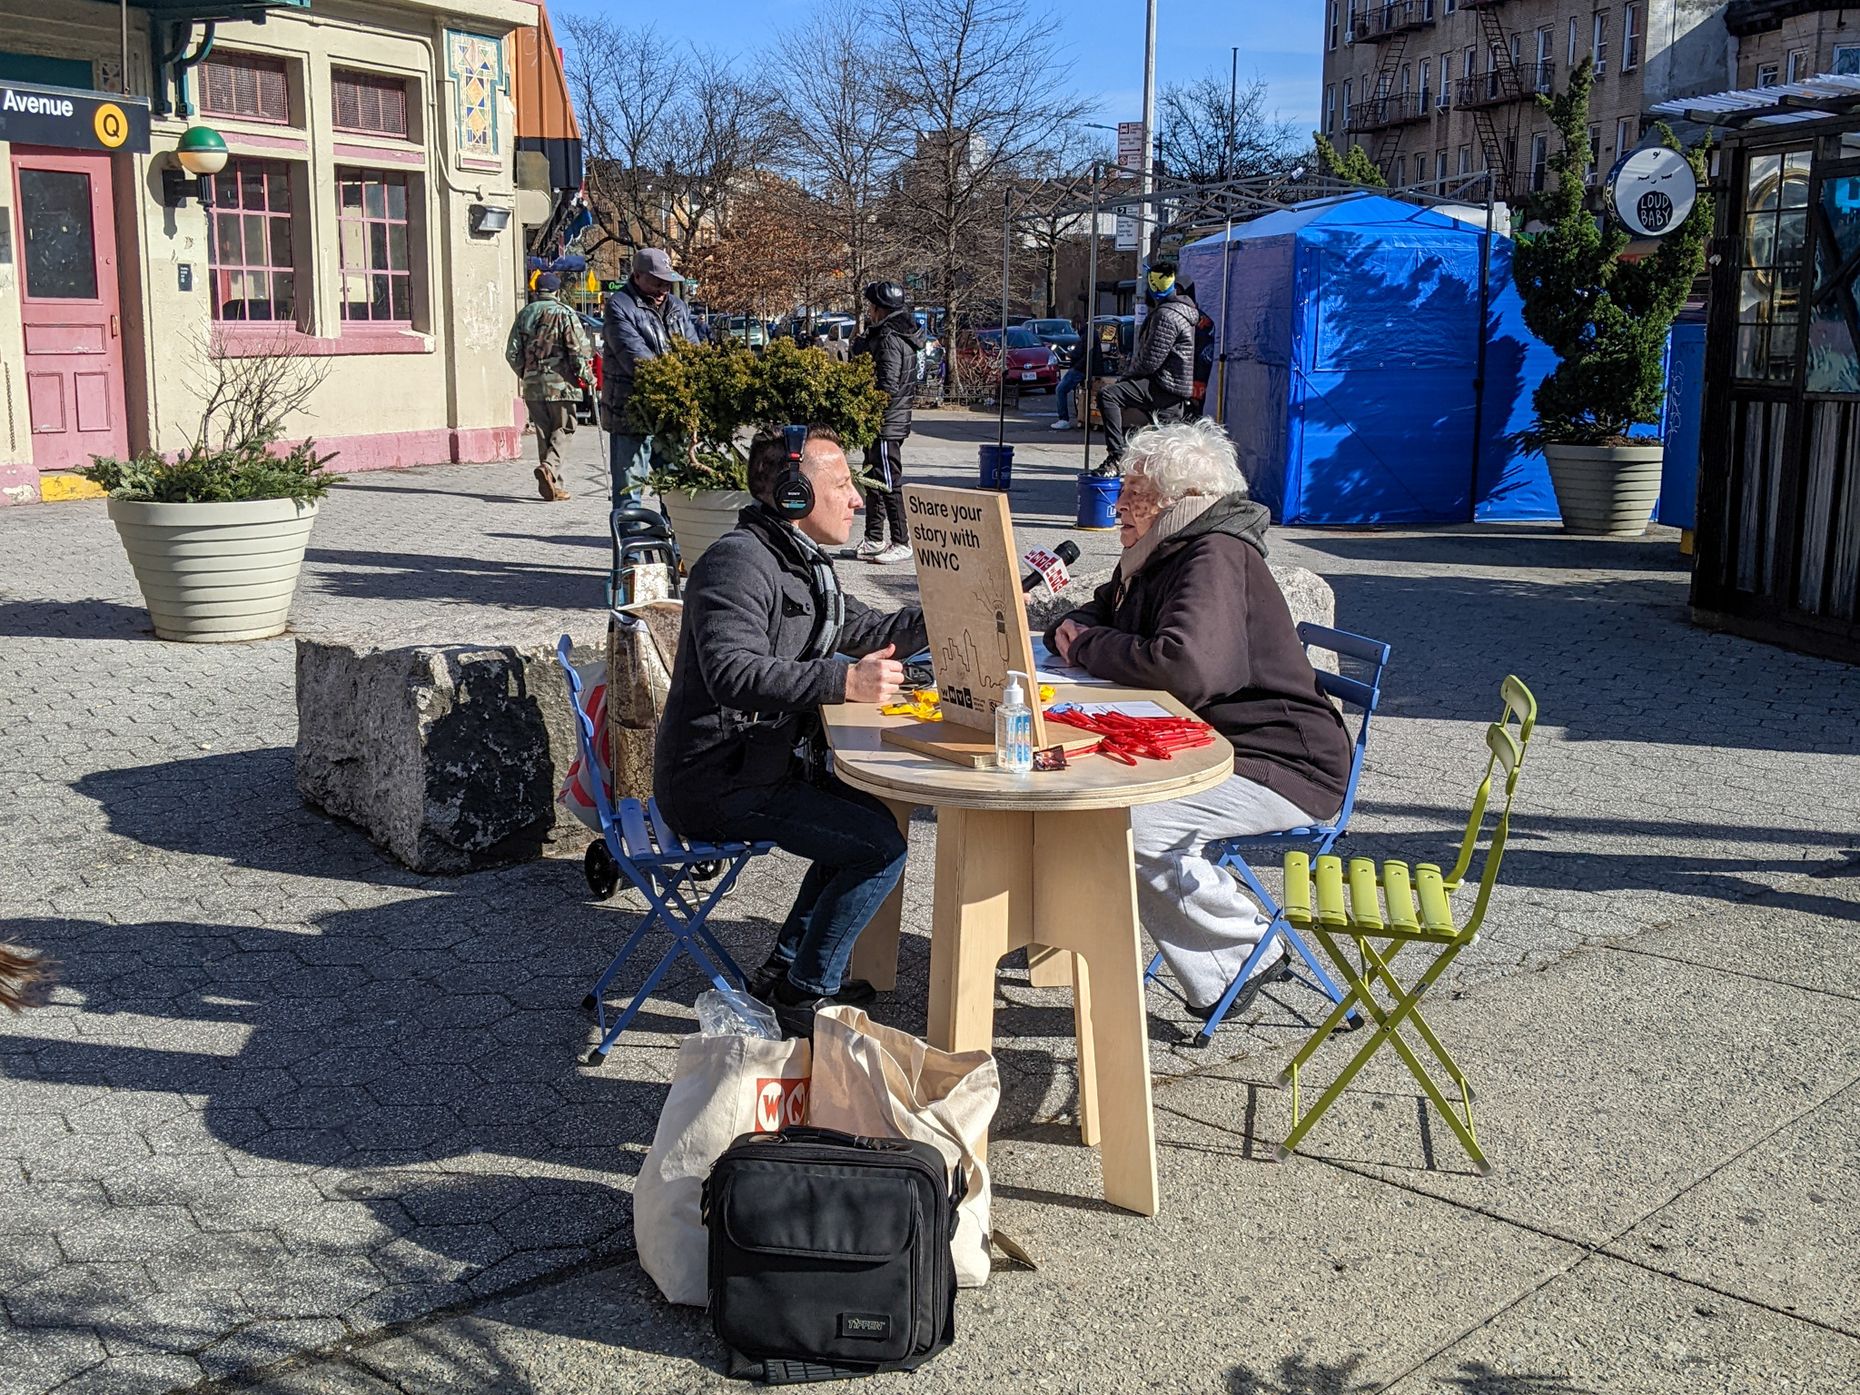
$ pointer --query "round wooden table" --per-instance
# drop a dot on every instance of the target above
(1043, 861)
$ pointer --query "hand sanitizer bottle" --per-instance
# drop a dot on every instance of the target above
(1014, 728)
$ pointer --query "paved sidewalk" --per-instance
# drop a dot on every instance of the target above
(289, 1095)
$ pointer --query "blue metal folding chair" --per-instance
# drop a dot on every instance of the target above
(1363, 694)
(638, 844)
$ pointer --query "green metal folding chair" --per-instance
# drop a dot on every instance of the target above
(1372, 909)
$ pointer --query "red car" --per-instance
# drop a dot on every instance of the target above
(1030, 364)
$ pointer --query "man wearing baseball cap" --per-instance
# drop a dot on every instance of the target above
(643, 320)
(549, 350)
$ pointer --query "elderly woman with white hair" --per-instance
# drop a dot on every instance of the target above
(1193, 609)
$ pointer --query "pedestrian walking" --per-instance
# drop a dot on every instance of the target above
(893, 341)
(643, 320)
(549, 350)
(1160, 378)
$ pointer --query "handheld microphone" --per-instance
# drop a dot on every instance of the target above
(1049, 568)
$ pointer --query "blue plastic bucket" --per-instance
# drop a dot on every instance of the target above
(1098, 499)
(997, 466)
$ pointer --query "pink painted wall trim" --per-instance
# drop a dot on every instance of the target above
(19, 484)
(256, 340)
(394, 450)
(380, 154)
(387, 450)
(239, 138)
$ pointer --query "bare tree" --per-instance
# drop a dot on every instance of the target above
(1055, 182)
(978, 86)
(835, 130)
(247, 397)
(1209, 131)
(669, 132)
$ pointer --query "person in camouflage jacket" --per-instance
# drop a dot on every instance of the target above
(550, 351)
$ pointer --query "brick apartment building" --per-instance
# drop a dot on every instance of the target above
(1435, 90)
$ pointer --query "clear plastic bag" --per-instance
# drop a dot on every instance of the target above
(724, 1012)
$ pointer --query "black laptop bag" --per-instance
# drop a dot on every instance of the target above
(829, 1254)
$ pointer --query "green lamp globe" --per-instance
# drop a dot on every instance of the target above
(201, 150)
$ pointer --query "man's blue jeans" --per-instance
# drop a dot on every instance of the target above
(629, 460)
(1068, 383)
(857, 854)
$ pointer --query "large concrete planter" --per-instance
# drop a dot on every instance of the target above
(212, 573)
(1606, 490)
(700, 519)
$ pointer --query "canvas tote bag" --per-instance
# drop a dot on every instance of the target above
(642, 642)
(723, 1086)
(884, 1083)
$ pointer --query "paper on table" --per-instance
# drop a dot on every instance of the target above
(1124, 709)
(1049, 669)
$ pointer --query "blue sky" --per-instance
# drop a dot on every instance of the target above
(1279, 40)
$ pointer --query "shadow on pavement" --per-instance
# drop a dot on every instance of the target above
(422, 576)
(90, 619)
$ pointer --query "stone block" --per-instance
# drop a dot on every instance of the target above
(448, 755)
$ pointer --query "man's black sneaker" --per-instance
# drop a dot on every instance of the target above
(760, 983)
(1272, 971)
(795, 1009)
(1106, 468)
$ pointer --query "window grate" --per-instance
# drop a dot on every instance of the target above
(369, 102)
(245, 85)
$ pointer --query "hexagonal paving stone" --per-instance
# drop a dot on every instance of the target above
(249, 1203)
(262, 1343)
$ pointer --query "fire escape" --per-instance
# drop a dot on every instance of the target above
(1383, 114)
(1505, 83)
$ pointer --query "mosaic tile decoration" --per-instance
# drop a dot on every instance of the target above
(476, 65)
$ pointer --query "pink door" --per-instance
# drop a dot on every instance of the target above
(68, 306)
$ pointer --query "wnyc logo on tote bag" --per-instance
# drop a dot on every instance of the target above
(780, 1104)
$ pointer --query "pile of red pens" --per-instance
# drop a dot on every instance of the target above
(1125, 738)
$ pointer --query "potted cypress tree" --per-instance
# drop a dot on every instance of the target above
(700, 399)
(1607, 321)
(216, 533)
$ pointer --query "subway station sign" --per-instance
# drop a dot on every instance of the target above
(73, 119)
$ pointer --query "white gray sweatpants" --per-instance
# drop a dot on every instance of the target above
(1200, 915)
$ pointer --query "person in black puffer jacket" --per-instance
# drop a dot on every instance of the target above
(1160, 379)
(892, 342)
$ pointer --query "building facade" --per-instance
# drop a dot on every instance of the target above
(1782, 41)
(1439, 91)
(370, 216)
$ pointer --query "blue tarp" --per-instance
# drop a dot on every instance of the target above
(1352, 354)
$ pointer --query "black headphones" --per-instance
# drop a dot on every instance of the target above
(793, 495)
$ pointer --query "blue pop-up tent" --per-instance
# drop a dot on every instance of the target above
(1353, 339)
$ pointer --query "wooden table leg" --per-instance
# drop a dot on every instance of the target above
(1091, 1127)
(875, 952)
(984, 884)
(1086, 901)
(1048, 967)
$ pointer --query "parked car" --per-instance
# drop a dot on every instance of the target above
(744, 329)
(1026, 363)
(1058, 333)
(587, 410)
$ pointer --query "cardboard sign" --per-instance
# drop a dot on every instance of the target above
(968, 576)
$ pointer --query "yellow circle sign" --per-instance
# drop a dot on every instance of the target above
(111, 125)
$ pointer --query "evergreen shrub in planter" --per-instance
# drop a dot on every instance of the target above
(699, 400)
(1607, 321)
(216, 535)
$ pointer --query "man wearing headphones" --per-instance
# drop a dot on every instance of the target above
(767, 638)
(893, 341)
